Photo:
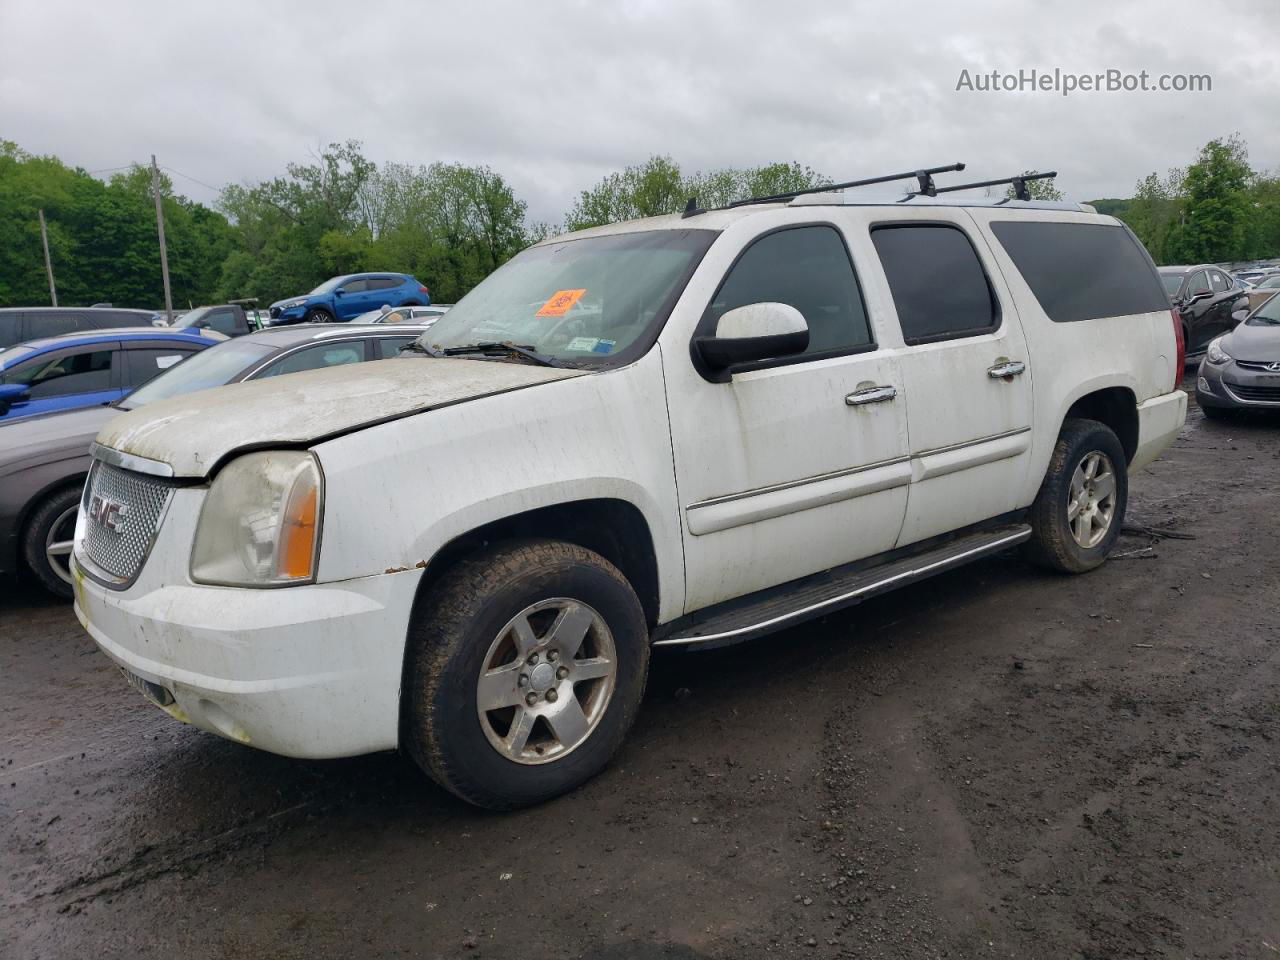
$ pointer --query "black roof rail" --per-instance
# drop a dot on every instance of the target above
(1019, 183)
(923, 177)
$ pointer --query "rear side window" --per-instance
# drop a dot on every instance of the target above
(939, 287)
(383, 283)
(807, 268)
(144, 363)
(54, 324)
(1082, 271)
(1220, 284)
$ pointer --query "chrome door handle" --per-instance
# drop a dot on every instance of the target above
(871, 395)
(1012, 368)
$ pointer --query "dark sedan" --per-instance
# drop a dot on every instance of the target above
(44, 459)
(1241, 371)
(1206, 300)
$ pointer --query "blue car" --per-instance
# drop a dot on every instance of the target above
(348, 296)
(88, 369)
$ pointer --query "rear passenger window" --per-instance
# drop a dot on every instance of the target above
(145, 363)
(1083, 271)
(807, 268)
(53, 325)
(939, 287)
(1219, 281)
(10, 329)
(383, 283)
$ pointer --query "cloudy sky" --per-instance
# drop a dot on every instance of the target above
(556, 93)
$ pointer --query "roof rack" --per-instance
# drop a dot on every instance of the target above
(1019, 182)
(923, 177)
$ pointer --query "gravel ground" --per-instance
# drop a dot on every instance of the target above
(998, 762)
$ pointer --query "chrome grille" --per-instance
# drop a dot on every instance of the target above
(128, 507)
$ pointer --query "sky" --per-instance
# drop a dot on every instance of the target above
(555, 94)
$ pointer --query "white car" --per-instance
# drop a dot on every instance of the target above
(688, 430)
(424, 316)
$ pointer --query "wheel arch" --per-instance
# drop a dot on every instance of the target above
(1114, 406)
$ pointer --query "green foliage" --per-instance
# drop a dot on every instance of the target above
(657, 187)
(1038, 189)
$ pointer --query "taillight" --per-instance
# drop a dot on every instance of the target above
(424, 290)
(1182, 350)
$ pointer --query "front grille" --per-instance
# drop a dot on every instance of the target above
(123, 511)
(1265, 365)
(1255, 394)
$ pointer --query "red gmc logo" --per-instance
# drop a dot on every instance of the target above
(107, 513)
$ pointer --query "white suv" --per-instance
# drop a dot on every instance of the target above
(687, 430)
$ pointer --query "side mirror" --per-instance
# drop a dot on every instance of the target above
(339, 292)
(758, 331)
(12, 394)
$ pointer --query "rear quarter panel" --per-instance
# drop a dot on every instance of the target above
(1071, 360)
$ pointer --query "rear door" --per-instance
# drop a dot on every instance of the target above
(1198, 316)
(143, 363)
(965, 370)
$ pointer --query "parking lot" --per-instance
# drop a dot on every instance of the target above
(998, 762)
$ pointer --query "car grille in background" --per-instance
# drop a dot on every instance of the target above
(140, 501)
(1256, 394)
(1256, 365)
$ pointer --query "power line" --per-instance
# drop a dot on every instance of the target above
(113, 169)
(210, 186)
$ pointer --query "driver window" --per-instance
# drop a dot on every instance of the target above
(1198, 284)
(314, 358)
(807, 268)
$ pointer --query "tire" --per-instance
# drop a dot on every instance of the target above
(1217, 413)
(1061, 539)
(471, 623)
(52, 522)
(319, 316)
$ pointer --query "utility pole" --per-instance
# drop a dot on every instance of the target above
(48, 264)
(164, 253)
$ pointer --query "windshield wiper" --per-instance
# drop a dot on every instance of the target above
(493, 346)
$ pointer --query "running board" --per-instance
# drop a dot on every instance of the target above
(835, 589)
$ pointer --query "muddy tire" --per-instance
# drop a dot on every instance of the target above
(524, 671)
(46, 541)
(1079, 510)
(319, 316)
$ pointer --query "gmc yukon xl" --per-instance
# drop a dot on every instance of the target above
(684, 431)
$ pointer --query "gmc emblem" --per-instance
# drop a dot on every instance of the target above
(107, 513)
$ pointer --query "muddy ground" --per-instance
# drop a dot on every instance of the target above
(997, 763)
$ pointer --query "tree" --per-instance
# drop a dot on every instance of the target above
(1216, 208)
(1038, 189)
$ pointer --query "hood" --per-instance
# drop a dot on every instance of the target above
(1259, 343)
(33, 441)
(193, 433)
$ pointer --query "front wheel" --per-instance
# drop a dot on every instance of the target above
(525, 669)
(320, 316)
(1079, 511)
(46, 547)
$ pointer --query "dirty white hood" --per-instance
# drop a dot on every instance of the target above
(194, 432)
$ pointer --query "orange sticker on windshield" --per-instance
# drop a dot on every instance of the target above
(559, 303)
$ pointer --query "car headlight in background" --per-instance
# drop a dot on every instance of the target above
(260, 523)
(1215, 354)
(294, 303)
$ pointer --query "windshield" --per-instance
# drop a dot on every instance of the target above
(208, 368)
(11, 356)
(1171, 281)
(580, 301)
(333, 283)
(192, 317)
(1267, 315)
(1271, 283)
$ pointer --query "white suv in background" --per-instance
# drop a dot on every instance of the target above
(689, 430)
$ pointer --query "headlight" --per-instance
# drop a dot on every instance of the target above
(293, 303)
(260, 523)
(1215, 354)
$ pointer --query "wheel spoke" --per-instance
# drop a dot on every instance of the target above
(1081, 527)
(518, 735)
(570, 629)
(1090, 466)
(61, 548)
(522, 633)
(568, 722)
(1104, 485)
(591, 668)
(499, 688)
(1073, 507)
(1077, 482)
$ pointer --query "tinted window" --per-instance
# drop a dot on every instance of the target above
(807, 268)
(1171, 281)
(355, 286)
(1198, 284)
(53, 324)
(1219, 282)
(143, 364)
(383, 283)
(313, 358)
(390, 347)
(937, 282)
(57, 376)
(224, 321)
(1082, 271)
(10, 329)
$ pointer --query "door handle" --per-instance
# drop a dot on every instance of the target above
(1010, 368)
(871, 395)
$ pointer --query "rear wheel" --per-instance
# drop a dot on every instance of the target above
(320, 316)
(525, 669)
(1079, 511)
(46, 545)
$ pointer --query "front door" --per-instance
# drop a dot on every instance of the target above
(965, 370)
(793, 465)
